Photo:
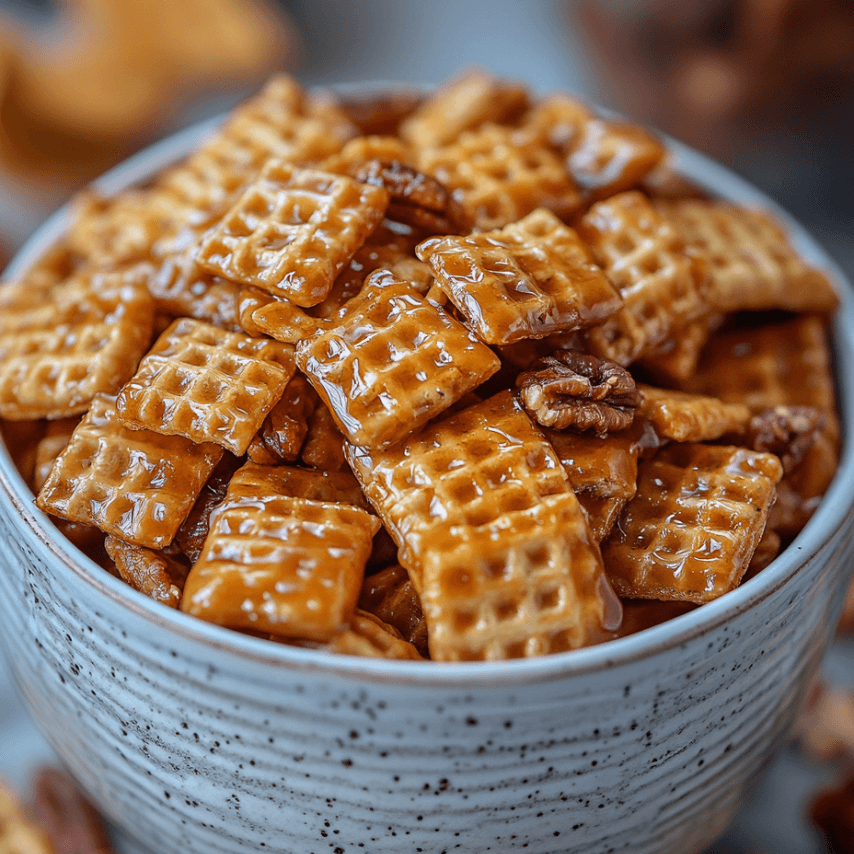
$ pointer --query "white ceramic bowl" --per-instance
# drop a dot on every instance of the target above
(196, 739)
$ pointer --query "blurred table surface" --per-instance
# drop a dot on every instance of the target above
(535, 41)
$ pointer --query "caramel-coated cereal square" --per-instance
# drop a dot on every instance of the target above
(662, 284)
(531, 589)
(207, 384)
(293, 231)
(285, 565)
(690, 532)
(527, 280)
(84, 338)
(136, 485)
(752, 264)
(395, 361)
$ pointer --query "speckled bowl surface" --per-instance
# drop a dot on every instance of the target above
(195, 739)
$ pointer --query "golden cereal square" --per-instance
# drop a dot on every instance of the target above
(527, 280)
(135, 485)
(463, 103)
(691, 530)
(206, 384)
(752, 264)
(285, 565)
(85, 337)
(662, 284)
(497, 175)
(393, 362)
(777, 364)
(479, 467)
(532, 588)
(293, 231)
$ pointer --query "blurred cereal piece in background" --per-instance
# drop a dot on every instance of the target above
(104, 77)
(833, 812)
(708, 71)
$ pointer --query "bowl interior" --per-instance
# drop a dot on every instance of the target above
(835, 506)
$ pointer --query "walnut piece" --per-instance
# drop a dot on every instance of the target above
(572, 389)
(787, 431)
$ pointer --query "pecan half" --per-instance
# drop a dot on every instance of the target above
(417, 198)
(572, 389)
(787, 431)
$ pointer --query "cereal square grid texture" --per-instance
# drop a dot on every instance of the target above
(514, 591)
(779, 364)
(207, 384)
(687, 417)
(395, 361)
(293, 231)
(284, 565)
(662, 284)
(479, 468)
(752, 265)
(369, 636)
(284, 321)
(462, 104)
(497, 175)
(281, 121)
(690, 532)
(331, 487)
(136, 485)
(527, 280)
(86, 337)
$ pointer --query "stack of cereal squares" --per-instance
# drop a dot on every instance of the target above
(469, 377)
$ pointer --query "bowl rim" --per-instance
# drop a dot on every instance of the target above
(835, 510)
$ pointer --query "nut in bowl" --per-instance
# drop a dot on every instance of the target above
(447, 390)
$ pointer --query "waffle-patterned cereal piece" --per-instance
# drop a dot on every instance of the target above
(207, 384)
(293, 231)
(281, 121)
(182, 289)
(19, 834)
(604, 157)
(280, 564)
(284, 430)
(779, 364)
(370, 637)
(331, 487)
(152, 573)
(531, 587)
(86, 337)
(690, 532)
(364, 367)
(473, 469)
(527, 280)
(661, 282)
(389, 595)
(109, 232)
(685, 417)
(752, 264)
(323, 447)
(136, 485)
(364, 148)
(286, 322)
(497, 175)
(55, 440)
(463, 103)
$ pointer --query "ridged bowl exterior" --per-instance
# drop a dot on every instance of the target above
(198, 740)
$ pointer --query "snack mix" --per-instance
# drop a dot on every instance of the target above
(473, 376)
